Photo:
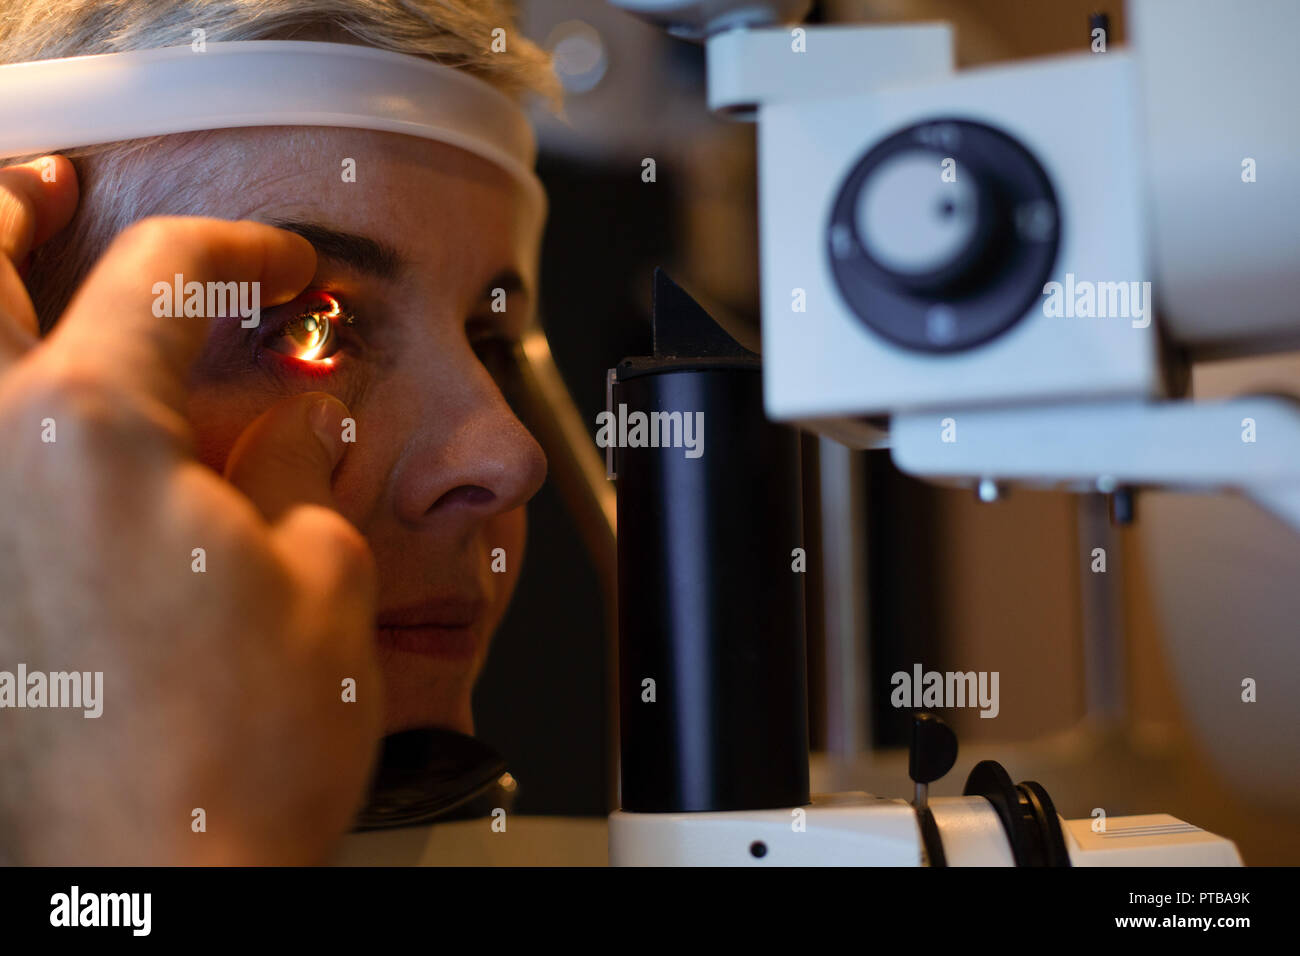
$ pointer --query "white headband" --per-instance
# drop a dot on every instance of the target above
(49, 105)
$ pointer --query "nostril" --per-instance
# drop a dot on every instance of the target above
(469, 495)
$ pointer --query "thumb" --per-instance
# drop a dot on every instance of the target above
(287, 455)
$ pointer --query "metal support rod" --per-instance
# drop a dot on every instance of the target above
(1101, 594)
(842, 475)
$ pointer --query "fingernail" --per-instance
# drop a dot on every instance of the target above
(326, 418)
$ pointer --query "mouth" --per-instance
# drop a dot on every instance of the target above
(446, 629)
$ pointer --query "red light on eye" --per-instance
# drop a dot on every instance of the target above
(335, 309)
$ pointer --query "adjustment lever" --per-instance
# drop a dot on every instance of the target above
(934, 751)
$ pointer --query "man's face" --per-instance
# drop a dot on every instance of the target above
(441, 468)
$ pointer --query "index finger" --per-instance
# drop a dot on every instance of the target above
(119, 325)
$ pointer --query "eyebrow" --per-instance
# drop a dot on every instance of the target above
(379, 259)
(362, 253)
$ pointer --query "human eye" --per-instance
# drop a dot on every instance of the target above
(311, 332)
(497, 349)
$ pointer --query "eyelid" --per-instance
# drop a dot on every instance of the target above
(334, 301)
(487, 328)
(312, 302)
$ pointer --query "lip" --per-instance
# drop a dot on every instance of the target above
(446, 628)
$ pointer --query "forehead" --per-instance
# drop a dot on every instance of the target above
(445, 210)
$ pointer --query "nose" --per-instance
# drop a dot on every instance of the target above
(473, 458)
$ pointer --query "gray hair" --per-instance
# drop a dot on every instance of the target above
(457, 33)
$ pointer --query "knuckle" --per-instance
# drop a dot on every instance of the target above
(69, 393)
(342, 560)
(87, 412)
(72, 435)
(355, 557)
(145, 234)
(160, 237)
(352, 575)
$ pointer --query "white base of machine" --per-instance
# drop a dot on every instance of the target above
(857, 829)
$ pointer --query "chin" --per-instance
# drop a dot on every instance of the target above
(424, 691)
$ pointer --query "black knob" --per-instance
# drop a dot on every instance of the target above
(942, 235)
(934, 749)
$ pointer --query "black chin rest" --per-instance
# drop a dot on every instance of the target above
(434, 775)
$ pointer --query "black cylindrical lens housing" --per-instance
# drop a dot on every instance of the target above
(711, 608)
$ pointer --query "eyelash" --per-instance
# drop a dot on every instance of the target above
(319, 304)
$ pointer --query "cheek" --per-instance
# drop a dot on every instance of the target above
(509, 531)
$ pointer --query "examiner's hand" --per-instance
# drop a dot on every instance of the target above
(223, 688)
